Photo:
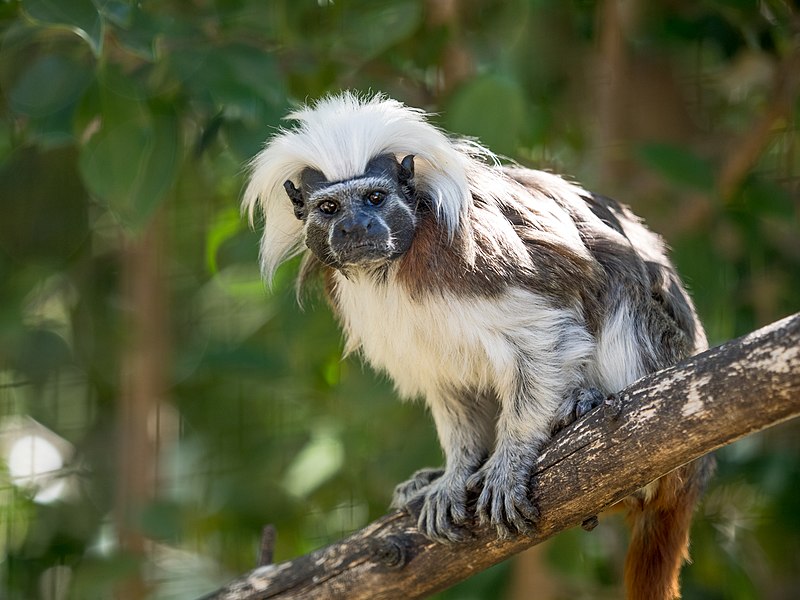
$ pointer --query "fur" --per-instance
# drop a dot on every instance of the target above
(519, 292)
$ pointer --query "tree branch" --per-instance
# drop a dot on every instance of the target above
(652, 427)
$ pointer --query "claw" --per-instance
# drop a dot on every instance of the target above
(503, 501)
(407, 494)
(587, 400)
(443, 512)
(580, 402)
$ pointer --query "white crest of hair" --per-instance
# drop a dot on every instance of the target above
(338, 135)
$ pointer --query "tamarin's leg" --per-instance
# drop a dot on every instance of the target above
(503, 482)
(660, 517)
(464, 423)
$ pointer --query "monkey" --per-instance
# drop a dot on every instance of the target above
(510, 299)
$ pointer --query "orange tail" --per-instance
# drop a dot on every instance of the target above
(660, 517)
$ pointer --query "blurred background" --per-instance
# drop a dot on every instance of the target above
(159, 405)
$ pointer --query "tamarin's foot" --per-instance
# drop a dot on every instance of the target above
(404, 492)
(503, 484)
(580, 402)
(439, 498)
(443, 511)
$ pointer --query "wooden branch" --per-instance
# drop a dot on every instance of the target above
(652, 427)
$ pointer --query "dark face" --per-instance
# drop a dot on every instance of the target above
(365, 221)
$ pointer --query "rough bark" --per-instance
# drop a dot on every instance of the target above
(652, 427)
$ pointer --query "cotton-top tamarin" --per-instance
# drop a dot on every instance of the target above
(508, 298)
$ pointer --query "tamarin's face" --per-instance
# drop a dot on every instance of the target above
(368, 220)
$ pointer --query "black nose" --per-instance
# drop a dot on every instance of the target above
(354, 228)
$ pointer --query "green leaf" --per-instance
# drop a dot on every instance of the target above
(678, 165)
(226, 225)
(53, 130)
(80, 16)
(118, 12)
(49, 84)
(321, 459)
(254, 70)
(239, 79)
(137, 31)
(376, 27)
(767, 197)
(240, 84)
(491, 108)
(132, 161)
(41, 354)
(245, 138)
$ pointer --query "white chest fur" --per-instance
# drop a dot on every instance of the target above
(444, 341)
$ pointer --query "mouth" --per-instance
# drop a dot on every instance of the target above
(363, 253)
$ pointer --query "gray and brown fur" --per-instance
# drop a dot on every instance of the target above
(507, 297)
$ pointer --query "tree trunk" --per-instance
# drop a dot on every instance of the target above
(143, 386)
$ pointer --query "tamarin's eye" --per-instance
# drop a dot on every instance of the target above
(329, 207)
(376, 197)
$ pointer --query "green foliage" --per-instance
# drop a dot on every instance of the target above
(80, 16)
(130, 164)
(489, 108)
(115, 115)
(678, 165)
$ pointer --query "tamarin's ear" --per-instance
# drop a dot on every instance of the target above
(310, 181)
(405, 177)
(296, 196)
(406, 173)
